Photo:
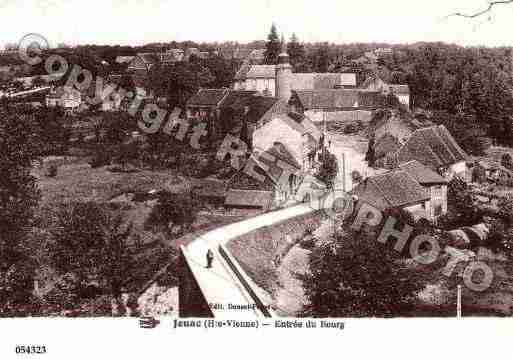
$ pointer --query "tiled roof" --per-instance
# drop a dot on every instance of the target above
(244, 181)
(393, 189)
(318, 81)
(207, 97)
(338, 98)
(432, 146)
(249, 198)
(422, 174)
(237, 98)
(264, 107)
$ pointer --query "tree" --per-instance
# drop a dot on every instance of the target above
(92, 244)
(320, 58)
(19, 196)
(178, 82)
(173, 211)
(272, 47)
(462, 210)
(356, 276)
(328, 169)
(296, 51)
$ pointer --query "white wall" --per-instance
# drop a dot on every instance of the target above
(261, 85)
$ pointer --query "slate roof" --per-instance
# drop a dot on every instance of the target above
(249, 198)
(395, 189)
(432, 146)
(338, 98)
(422, 174)
(207, 97)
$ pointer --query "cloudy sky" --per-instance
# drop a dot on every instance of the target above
(340, 21)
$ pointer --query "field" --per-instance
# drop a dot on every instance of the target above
(77, 181)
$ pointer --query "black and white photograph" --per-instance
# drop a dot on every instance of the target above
(298, 168)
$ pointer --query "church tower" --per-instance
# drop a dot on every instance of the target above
(283, 75)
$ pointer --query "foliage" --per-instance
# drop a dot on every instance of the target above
(356, 276)
(19, 196)
(297, 54)
(173, 210)
(272, 47)
(462, 210)
(179, 81)
(466, 129)
(91, 244)
(328, 169)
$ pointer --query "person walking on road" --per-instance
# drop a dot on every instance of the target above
(210, 258)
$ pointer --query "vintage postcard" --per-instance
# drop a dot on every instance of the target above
(306, 172)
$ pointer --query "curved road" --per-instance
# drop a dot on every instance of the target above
(219, 284)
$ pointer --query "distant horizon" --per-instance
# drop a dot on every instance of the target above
(339, 22)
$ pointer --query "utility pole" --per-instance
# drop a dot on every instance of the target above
(458, 304)
(344, 188)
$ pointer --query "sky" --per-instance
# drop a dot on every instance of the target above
(135, 22)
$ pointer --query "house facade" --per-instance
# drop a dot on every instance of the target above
(411, 187)
(278, 80)
(299, 136)
(349, 105)
(68, 98)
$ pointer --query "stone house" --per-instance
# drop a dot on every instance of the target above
(435, 148)
(412, 187)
